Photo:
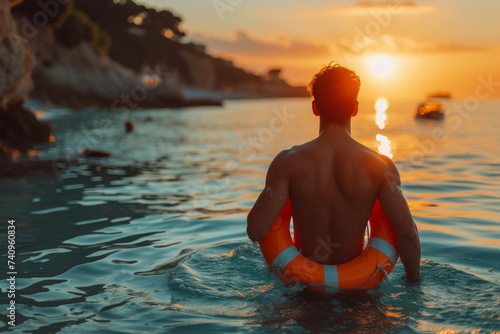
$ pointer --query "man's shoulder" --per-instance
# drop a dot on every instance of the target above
(376, 162)
(294, 151)
(386, 170)
(287, 155)
(290, 158)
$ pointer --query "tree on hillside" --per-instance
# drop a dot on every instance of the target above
(78, 28)
(274, 74)
(42, 14)
(122, 14)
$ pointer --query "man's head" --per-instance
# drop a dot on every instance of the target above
(335, 92)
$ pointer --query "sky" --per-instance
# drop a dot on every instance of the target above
(399, 48)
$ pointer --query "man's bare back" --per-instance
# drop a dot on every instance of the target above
(333, 183)
(332, 193)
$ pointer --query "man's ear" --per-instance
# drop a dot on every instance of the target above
(315, 108)
(355, 110)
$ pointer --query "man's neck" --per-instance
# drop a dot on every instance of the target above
(332, 130)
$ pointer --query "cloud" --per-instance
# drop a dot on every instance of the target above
(246, 45)
(370, 7)
(362, 44)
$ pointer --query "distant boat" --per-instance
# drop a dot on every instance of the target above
(429, 110)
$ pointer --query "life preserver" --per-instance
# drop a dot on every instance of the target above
(367, 270)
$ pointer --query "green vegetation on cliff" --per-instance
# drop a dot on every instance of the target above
(71, 26)
(78, 27)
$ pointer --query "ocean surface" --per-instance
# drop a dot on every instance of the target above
(153, 238)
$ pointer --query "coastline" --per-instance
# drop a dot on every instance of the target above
(80, 76)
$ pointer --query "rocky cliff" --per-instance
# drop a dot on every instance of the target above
(220, 78)
(16, 61)
(19, 129)
(79, 77)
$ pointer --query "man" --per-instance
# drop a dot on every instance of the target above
(333, 182)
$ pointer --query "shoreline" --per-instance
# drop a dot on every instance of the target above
(190, 98)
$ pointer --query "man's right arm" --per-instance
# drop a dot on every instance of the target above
(398, 213)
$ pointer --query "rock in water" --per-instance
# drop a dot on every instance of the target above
(129, 126)
(21, 130)
(89, 152)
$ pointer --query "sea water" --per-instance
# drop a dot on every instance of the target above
(152, 239)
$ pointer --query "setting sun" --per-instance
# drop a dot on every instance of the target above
(381, 66)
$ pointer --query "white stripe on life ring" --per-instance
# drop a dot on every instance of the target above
(284, 258)
(331, 275)
(385, 247)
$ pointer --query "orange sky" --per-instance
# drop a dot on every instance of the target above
(441, 45)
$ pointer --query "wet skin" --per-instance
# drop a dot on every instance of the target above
(333, 182)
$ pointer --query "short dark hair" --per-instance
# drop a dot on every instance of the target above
(335, 89)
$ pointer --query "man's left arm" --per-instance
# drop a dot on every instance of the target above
(271, 200)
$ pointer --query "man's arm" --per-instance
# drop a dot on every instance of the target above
(271, 200)
(397, 211)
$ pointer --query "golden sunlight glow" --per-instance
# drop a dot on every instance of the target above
(230, 254)
(381, 106)
(381, 65)
(385, 145)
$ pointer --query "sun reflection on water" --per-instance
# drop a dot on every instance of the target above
(385, 145)
(381, 106)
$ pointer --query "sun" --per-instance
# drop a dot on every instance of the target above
(381, 65)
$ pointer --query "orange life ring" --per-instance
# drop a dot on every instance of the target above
(367, 270)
